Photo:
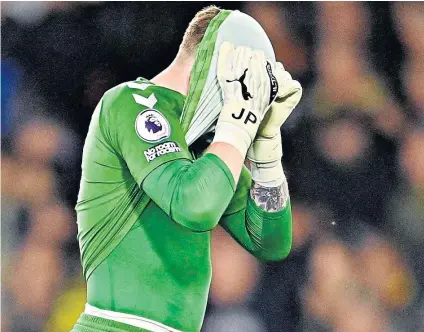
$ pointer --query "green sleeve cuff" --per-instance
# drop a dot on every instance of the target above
(258, 212)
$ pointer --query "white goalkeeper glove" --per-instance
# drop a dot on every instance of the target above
(266, 151)
(245, 80)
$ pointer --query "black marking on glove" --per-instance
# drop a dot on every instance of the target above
(246, 94)
(273, 82)
(250, 117)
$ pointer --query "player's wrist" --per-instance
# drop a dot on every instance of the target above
(227, 132)
(266, 149)
(265, 155)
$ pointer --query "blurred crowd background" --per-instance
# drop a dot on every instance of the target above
(353, 154)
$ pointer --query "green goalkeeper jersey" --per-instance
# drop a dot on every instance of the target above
(144, 254)
(133, 130)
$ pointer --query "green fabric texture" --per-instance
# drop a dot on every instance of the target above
(266, 235)
(114, 165)
(160, 271)
(241, 194)
(199, 73)
(189, 188)
(136, 258)
(271, 232)
(88, 323)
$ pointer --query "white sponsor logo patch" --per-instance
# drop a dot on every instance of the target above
(151, 126)
(160, 150)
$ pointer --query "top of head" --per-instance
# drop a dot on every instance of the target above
(237, 28)
(204, 101)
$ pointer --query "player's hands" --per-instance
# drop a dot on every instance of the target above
(245, 78)
(288, 96)
(242, 77)
(266, 151)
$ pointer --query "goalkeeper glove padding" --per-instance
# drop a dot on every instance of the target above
(248, 88)
(266, 151)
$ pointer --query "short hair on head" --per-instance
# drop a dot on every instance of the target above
(196, 30)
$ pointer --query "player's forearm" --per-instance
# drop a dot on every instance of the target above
(270, 199)
(269, 207)
(271, 232)
(260, 219)
(193, 194)
(266, 235)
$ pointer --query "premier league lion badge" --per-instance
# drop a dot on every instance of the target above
(151, 126)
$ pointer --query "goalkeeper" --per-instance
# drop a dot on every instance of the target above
(148, 203)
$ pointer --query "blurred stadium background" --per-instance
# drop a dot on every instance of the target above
(354, 157)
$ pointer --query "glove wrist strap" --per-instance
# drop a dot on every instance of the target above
(236, 126)
(265, 150)
(229, 133)
(268, 174)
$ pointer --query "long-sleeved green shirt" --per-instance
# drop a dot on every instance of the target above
(145, 210)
